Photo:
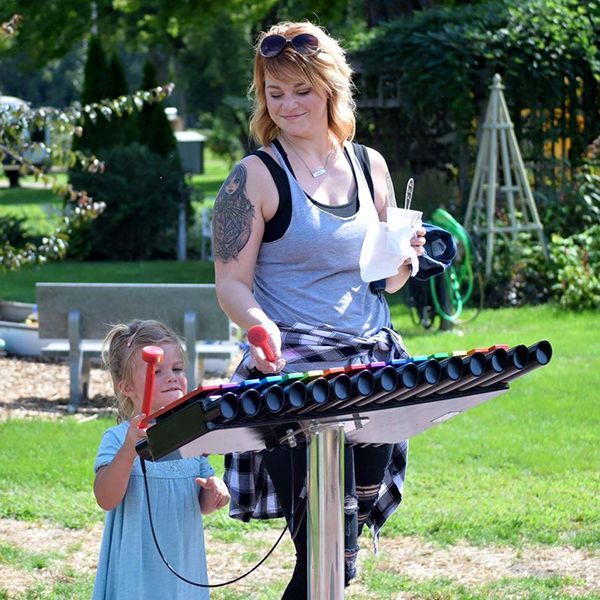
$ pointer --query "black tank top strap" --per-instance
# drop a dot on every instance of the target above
(277, 226)
(344, 210)
(363, 159)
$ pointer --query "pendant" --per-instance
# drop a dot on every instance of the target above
(318, 172)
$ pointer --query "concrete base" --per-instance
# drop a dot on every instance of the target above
(16, 312)
(20, 339)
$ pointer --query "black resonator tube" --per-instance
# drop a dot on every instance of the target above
(496, 363)
(473, 368)
(430, 373)
(538, 355)
(452, 370)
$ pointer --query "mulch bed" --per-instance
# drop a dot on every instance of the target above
(39, 387)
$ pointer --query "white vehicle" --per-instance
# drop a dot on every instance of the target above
(39, 156)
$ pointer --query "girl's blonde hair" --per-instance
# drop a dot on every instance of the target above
(327, 71)
(121, 344)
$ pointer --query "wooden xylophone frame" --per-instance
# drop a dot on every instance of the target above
(269, 412)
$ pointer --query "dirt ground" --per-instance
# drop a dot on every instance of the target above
(411, 557)
(34, 388)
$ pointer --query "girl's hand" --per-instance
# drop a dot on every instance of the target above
(274, 341)
(134, 435)
(112, 480)
(214, 494)
(418, 241)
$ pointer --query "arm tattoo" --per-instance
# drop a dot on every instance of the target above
(390, 196)
(232, 216)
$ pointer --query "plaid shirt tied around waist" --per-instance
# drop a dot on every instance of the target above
(307, 348)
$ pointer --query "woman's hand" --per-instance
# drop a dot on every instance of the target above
(418, 241)
(274, 341)
(396, 282)
(214, 494)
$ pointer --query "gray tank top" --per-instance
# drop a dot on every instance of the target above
(311, 274)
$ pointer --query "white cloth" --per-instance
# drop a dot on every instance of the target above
(387, 245)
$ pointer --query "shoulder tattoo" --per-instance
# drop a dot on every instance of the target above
(390, 196)
(232, 216)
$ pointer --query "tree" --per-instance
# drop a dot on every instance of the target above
(80, 207)
(438, 66)
(96, 85)
(124, 130)
(154, 129)
(52, 28)
(142, 193)
(55, 84)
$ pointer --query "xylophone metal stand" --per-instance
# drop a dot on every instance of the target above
(325, 511)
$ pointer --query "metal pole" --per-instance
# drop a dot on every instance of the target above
(325, 512)
(181, 234)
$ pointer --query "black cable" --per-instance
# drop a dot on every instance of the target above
(302, 497)
(203, 585)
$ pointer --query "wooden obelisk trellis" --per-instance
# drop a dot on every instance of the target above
(500, 175)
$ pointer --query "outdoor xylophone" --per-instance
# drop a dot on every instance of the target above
(377, 402)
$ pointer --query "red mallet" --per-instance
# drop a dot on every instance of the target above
(258, 336)
(152, 355)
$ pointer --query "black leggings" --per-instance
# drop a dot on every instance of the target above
(363, 473)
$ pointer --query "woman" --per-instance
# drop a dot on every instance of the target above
(292, 265)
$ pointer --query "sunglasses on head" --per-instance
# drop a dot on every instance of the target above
(303, 43)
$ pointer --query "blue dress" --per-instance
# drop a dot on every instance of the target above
(129, 565)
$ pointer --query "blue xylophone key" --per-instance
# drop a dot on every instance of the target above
(248, 383)
(399, 362)
(420, 359)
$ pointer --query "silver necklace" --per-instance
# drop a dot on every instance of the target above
(320, 171)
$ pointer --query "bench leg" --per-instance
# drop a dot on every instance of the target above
(189, 333)
(199, 370)
(79, 377)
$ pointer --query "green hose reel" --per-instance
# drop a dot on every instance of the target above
(458, 278)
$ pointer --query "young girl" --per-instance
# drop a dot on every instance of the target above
(180, 490)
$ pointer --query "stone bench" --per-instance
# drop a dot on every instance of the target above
(75, 318)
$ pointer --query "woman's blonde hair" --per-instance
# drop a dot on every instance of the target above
(121, 344)
(327, 71)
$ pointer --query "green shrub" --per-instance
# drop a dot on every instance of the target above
(142, 192)
(577, 263)
(570, 278)
(520, 273)
(579, 207)
(12, 230)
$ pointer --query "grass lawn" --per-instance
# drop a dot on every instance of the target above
(215, 172)
(517, 471)
(20, 286)
(40, 207)
(521, 468)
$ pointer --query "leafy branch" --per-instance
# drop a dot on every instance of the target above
(9, 28)
(16, 122)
